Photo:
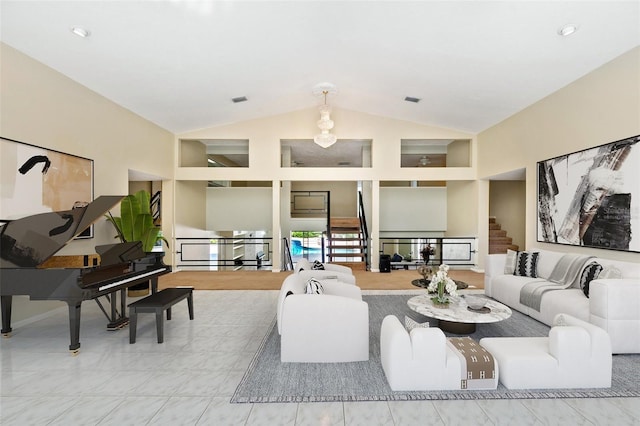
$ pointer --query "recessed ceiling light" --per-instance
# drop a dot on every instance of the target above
(81, 32)
(412, 99)
(567, 30)
(239, 99)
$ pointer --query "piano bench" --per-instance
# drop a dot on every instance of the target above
(157, 303)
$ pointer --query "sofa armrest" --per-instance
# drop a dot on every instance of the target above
(569, 344)
(338, 288)
(615, 299)
(493, 266)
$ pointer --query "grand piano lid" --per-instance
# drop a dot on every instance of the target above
(31, 240)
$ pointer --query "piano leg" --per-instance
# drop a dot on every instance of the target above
(117, 319)
(74, 326)
(6, 314)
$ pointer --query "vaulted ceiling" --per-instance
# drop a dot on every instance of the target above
(179, 63)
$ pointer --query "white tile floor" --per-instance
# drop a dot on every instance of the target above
(190, 378)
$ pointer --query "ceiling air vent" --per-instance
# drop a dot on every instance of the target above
(411, 99)
(344, 163)
(239, 99)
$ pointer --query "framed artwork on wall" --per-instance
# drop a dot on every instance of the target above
(591, 198)
(37, 180)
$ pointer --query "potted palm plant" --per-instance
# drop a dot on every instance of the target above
(135, 223)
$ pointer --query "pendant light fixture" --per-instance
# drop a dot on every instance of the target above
(325, 139)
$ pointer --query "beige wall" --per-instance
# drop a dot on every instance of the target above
(44, 108)
(507, 203)
(601, 107)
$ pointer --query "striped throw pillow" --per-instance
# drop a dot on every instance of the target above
(589, 273)
(527, 264)
(314, 287)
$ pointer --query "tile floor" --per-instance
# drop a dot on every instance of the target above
(190, 378)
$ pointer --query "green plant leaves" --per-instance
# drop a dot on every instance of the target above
(136, 222)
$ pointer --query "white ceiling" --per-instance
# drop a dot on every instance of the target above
(179, 63)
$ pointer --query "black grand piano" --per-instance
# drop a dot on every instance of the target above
(27, 244)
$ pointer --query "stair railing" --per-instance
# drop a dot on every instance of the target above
(363, 229)
(287, 260)
(155, 206)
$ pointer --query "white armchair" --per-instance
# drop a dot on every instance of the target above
(576, 354)
(422, 359)
(328, 327)
(332, 267)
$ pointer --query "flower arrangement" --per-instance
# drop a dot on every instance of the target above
(442, 285)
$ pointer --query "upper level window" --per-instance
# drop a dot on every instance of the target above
(343, 153)
(214, 153)
(435, 153)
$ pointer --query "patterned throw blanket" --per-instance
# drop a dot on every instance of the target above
(562, 276)
(478, 369)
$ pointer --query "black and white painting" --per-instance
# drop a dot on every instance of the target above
(37, 180)
(591, 198)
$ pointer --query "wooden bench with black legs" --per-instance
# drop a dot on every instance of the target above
(157, 303)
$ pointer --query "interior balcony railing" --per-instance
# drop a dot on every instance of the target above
(224, 254)
(453, 251)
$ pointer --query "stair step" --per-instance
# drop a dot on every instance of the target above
(344, 222)
(497, 233)
(355, 265)
(345, 239)
(500, 240)
(495, 226)
(345, 247)
(492, 219)
(501, 248)
(360, 255)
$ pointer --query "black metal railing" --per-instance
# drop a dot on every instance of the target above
(364, 229)
(287, 261)
(227, 254)
(454, 251)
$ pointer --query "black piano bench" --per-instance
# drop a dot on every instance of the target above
(158, 302)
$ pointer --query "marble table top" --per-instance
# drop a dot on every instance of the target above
(457, 310)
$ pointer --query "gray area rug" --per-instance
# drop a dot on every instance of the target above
(269, 380)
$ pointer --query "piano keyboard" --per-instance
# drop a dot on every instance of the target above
(126, 280)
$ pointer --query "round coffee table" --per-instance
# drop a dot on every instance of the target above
(457, 317)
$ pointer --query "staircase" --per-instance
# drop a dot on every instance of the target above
(499, 242)
(346, 244)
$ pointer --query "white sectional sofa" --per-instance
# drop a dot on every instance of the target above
(613, 303)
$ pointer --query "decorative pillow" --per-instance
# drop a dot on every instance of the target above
(510, 264)
(317, 266)
(526, 264)
(589, 273)
(314, 287)
(560, 321)
(410, 324)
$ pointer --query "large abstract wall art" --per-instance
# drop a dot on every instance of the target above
(36, 180)
(591, 198)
